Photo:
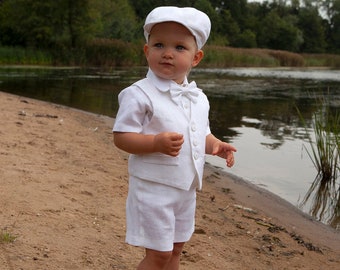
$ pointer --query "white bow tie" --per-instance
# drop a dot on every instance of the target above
(190, 91)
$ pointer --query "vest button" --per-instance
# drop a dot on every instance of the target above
(195, 156)
(193, 127)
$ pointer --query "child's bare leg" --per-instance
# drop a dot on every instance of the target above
(175, 257)
(159, 260)
(155, 260)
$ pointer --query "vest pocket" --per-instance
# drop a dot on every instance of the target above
(162, 159)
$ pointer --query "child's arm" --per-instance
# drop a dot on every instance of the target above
(168, 143)
(224, 150)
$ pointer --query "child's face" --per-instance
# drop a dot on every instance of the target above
(171, 51)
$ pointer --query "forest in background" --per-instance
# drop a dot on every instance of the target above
(109, 32)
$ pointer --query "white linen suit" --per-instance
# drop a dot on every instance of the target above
(161, 202)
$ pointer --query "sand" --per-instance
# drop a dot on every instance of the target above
(63, 186)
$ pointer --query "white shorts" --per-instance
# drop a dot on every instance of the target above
(158, 216)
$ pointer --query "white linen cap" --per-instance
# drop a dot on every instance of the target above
(197, 22)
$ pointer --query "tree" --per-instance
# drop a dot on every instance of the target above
(247, 39)
(12, 33)
(44, 23)
(114, 19)
(143, 7)
(334, 41)
(312, 29)
(301, 25)
(206, 7)
(278, 33)
(238, 10)
(78, 22)
(228, 27)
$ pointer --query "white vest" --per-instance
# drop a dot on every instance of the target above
(179, 171)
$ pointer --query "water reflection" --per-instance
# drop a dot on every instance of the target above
(325, 153)
(270, 107)
(324, 196)
(255, 112)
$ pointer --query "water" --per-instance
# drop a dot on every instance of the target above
(254, 109)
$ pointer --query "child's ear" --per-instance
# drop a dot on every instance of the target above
(197, 58)
(146, 50)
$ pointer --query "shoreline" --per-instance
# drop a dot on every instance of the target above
(278, 208)
(63, 190)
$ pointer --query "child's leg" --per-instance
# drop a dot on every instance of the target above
(157, 260)
(154, 260)
(175, 257)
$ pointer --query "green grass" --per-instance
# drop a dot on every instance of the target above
(23, 56)
(6, 237)
(324, 153)
(322, 60)
(111, 53)
(219, 56)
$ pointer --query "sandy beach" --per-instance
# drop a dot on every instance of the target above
(63, 186)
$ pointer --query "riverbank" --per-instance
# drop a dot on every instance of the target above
(62, 196)
(115, 53)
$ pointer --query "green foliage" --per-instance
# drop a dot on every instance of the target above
(246, 39)
(334, 33)
(313, 31)
(68, 29)
(22, 56)
(228, 27)
(104, 52)
(109, 52)
(43, 24)
(114, 20)
(284, 35)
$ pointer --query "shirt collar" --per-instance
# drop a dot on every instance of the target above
(161, 84)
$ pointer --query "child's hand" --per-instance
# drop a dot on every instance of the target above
(224, 150)
(169, 143)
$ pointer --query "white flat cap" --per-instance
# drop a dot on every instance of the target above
(197, 22)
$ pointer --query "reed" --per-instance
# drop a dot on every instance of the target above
(223, 57)
(324, 151)
(322, 60)
(24, 56)
(325, 155)
(219, 56)
(106, 52)
(110, 52)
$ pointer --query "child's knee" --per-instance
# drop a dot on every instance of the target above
(159, 257)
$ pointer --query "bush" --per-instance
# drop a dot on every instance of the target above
(109, 52)
(24, 56)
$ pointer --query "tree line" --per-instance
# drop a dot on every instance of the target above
(302, 26)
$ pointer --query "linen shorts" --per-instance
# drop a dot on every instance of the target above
(157, 215)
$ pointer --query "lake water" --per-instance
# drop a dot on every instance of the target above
(252, 108)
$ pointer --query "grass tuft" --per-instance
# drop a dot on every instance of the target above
(6, 237)
(324, 192)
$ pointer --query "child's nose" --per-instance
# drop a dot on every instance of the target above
(168, 53)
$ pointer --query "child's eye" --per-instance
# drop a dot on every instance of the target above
(180, 48)
(158, 45)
